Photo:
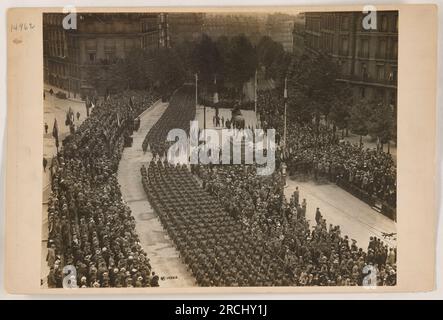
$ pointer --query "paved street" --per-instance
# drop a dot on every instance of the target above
(154, 239)
(57, 108)
(248, 115)
(355, 218)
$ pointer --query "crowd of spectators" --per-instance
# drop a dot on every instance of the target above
(89, 225)
(313, 254)
(315, 149)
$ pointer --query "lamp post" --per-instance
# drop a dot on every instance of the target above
(285, 96)
(196, 89)
(283, 165)
(215, 90)
(255, 93)
(196, 101)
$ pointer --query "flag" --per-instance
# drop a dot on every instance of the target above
(215, 89)
(72, 115)
(285, 93)
(55, 132)
(88, 105)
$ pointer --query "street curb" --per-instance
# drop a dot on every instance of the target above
(149, 108)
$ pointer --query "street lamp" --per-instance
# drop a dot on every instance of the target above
(285, 96)
(283, 165)
(255, 93)
(196, 89)
(196, 101)
(215, 90)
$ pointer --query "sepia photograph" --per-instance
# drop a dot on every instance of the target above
(219, 149)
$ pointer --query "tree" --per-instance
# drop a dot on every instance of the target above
(185, 51)
(166, 69)
(108, 77)
(120, 74)
(381, 122)
(279, 67)
(270, 53)
(136, 69)
(312, 85)
(206, 58)
(339, 113)
(240, 62)
(359, 118)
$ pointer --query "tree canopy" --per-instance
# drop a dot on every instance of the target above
(312, 86)
(241, 61)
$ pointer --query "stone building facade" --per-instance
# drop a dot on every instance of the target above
(279, 27)
(367, 58)
(100, 39)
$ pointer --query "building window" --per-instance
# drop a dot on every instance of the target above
(109, 56)
(392, 76)
(344, 67)
(344, 46)
(393, 99)
(381, 73)
(394, 51)
(384, 23)
(364, 71)
(92, 56)
(364, 48)
(345, 23)
(381, 48)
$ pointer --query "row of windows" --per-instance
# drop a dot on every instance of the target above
(149, 26)
(54, 35)
(57, 68)
(328, 22)
(382, 73)
(312, 24)
(327, 43)
(386, 22)
(54, 19)
(150, 41)
(386, 48)
(109, 44)
(313, 42)
(109, 56)
(56, 49)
